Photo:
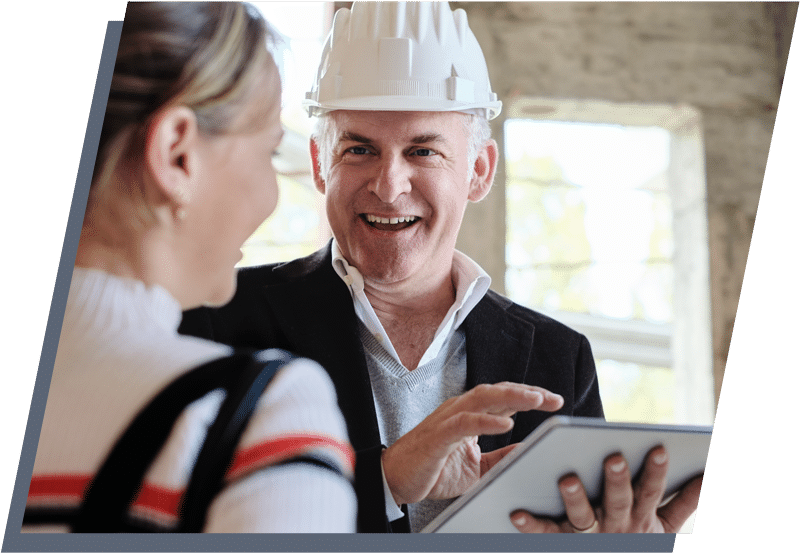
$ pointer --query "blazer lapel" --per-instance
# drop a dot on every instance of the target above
(317, 315)
(499, 348)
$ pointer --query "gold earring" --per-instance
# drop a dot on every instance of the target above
(181, 195)
(181, 199)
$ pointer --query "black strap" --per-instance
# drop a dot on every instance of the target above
(243, 375)
(217, 452)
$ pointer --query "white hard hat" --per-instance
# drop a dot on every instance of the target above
(402, 56)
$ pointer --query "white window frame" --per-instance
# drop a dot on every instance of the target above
(686, 345)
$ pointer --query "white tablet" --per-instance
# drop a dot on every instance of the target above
(527, 478)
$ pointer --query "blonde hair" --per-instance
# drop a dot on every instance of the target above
(206, 56)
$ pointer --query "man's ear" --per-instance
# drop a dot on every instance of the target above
(319, 183)
(484, 170)
(170, 153)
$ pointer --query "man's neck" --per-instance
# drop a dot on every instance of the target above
(411, 314)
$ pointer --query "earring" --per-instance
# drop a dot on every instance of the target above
(181, 199)
(181, 195)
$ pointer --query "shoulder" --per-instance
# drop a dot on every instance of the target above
(299, 414)
(294, 466)
(542, 323)
(283, 272)
(246, 320)
(303, 377)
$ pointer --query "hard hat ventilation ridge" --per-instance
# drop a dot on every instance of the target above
(411, 56)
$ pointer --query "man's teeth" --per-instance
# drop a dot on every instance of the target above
(402, 219)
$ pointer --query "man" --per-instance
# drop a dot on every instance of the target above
(424, 357)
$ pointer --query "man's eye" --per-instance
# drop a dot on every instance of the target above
(359, 150)
(422, 152)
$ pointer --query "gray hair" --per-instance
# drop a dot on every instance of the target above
(476, 128)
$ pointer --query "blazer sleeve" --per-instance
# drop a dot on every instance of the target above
(197, 322)
(587, 388)
(369, 491)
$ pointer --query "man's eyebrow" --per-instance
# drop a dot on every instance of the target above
(428, 138)
(348, 136)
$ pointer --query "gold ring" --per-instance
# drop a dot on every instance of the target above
(591, 529)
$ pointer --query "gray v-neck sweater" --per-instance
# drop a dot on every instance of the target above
(405, 398)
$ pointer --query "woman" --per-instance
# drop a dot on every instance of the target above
(183, 176)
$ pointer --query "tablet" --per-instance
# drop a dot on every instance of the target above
(527, 477)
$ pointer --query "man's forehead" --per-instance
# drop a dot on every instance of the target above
(419, 127)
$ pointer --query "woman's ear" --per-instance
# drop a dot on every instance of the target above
(171, 155)
(318, 181)
(484, 170)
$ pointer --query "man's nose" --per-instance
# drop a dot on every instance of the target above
(393, 178)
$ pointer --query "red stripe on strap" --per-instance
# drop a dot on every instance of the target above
(60, 488)
(159, 499)
(59, 485)
(286, 447)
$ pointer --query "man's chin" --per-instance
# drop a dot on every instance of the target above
(387, 270)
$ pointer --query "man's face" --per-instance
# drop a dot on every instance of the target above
(397, 188)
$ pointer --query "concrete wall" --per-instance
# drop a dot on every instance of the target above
(725, 59)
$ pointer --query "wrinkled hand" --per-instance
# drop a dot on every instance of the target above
(440, 458)
(625, 507)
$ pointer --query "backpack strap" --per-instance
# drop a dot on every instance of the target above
(243, 375)
(216, 455)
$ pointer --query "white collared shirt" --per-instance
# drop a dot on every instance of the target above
(471, 283)
(469, 279)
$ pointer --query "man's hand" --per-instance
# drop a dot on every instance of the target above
(625, 508)
(440, 458)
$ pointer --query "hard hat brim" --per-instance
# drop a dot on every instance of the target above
(402, 104)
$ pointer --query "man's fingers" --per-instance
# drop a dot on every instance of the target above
(649, 488)
(507, 398)
(488, 460)
(528, 524)
(681, 507)
(467, 424)
(580, 514)
(617, 495)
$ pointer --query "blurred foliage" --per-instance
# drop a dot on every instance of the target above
(556, 260)
(636, 393)
(545, 236)
(597, 249)
(292, 231)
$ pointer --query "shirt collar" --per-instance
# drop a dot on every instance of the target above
(471, 283)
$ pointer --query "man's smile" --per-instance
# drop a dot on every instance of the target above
(392, 223)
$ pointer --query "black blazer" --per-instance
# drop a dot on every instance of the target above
(303, 306)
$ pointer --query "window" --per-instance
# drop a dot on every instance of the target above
(298, 226)
(606, 232)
